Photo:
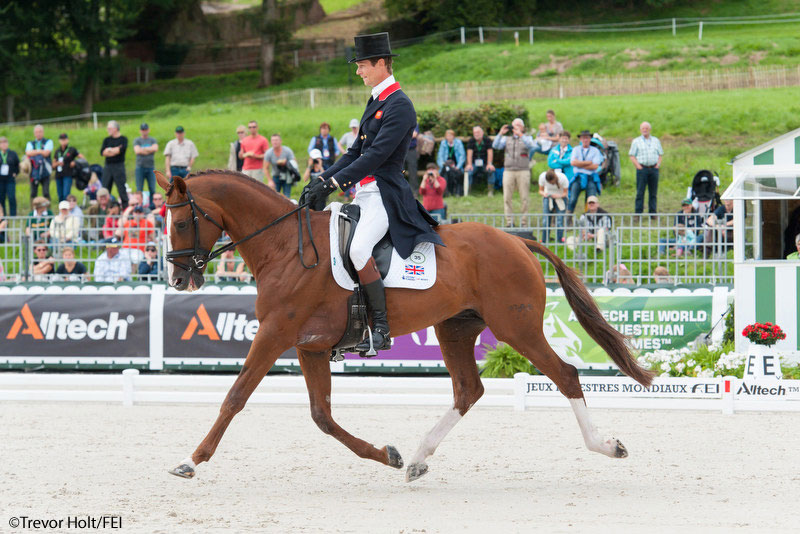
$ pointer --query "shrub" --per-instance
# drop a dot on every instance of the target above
(490, 116)
(504, 362)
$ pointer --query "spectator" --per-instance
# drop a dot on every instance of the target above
(554, 128)
(585, 160)
(150, 266)
(347, 139)
(451, 159)
(411, 163)
(3, 226)
(326, 144)
(227, 267)
(595, 223)
(113, 265)
(65, 157)
(661, 275)
(137, 199)
(70, 270)
(517, 173)
(64, 227)
(553, 186)
(543, 142)
(39, 152)
(179, 154)
(145, 148)
(159, 211)
(480, 158)
(113, 149)
(560, 156)
(9, 168)
(685, 238)
(432, 192)
(234, 161)
(39, 220)
(98, 212)
(252, 150)
(618, 274)
(687, 219)
(282, 166)
(135, 228)
(242, 273)
(95, 185)
(42, 266)
(646, 154)
(111, 222)
(796, 254)
(313, 171)
(74, 209)
(721, 221)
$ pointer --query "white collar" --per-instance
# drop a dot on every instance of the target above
(378, 89)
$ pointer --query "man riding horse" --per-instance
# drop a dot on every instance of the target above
(374, 165)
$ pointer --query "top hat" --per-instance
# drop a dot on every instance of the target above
(372, 46)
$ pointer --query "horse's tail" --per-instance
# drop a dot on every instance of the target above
(611, 340)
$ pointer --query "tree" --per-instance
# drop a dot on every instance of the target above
(269, 33)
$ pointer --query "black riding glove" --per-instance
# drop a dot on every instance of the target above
(316, 193)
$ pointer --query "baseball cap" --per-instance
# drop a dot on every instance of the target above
(102, 192)
(144, 126)
(315, 154)
(179, 129)
(63, 205)
(686, 202)
(113, 243)
(592, 198)
(63, 136)
(354, 123)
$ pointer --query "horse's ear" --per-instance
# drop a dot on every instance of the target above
(180, 185)
(162, 181)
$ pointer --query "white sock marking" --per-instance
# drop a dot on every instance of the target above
(594, 442)
(436, 435)
(188, 461)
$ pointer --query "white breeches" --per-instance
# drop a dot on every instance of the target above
(372, 226)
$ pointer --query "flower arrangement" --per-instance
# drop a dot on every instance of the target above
(763, 333)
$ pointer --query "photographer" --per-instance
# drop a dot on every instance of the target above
(313, 171)
(432, 192)
(281, 165)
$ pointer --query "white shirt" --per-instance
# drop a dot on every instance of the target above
(378, 89)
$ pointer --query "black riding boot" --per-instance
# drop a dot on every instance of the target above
(376, 301)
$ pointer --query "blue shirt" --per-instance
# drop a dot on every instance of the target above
(586, 154)
(313, 144)
(458, 151)
(47, 146)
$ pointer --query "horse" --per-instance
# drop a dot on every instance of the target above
(486, 277)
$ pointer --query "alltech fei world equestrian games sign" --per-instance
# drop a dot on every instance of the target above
(153, 327)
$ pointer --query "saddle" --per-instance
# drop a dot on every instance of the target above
(357, 321)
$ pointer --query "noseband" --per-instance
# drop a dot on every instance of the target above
(200, 257)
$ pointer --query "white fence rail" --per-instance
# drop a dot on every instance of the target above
(726, 394)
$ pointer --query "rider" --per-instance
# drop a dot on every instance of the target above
(374, 164)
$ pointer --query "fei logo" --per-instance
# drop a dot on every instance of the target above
(55, 325)
(229, 326)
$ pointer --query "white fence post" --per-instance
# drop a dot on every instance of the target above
(311, 98)
(480, 34)
(700, 33)
(128, 378)
(463, 36)
(516, 38)
(296, 59)
(673, 27)
(530, 34)
(520, 379)
(728, 384)
(94, 119)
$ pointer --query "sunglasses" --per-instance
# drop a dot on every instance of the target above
(251, 127)
(150, 249)
(41, 250)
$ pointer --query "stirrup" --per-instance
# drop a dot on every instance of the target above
(372, 351)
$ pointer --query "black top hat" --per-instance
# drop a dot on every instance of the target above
(372, 46)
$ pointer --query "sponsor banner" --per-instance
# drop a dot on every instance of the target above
(653, 322)
(423, 346)
(64, 326)
(205, 325)
(766, 389)
(613, 386)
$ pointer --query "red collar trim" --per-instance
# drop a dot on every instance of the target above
(389, 90)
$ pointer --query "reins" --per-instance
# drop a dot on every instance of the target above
(200, 256)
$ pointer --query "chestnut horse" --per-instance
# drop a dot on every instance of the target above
(485, 277)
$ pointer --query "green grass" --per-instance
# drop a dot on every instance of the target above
(701, 130)
(332, 6)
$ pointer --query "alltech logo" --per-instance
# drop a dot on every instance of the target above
(53, 325)
(229, 326)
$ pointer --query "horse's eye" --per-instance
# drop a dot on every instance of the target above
(181, 225)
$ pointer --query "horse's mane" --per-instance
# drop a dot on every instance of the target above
(241, 176)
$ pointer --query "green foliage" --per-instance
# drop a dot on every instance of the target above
(728, 335)
(448, 14)
(503, 362)
(791, 372)
(461, 120)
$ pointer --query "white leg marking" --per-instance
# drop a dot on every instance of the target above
(594, 442)
(188, 461)
(436, 435)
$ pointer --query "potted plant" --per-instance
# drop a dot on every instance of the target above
(762, 361)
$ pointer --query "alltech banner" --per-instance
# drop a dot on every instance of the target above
(74, 326)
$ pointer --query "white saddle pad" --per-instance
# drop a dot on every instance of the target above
(418, 271)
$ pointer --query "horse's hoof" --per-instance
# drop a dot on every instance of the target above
(620, 451)
(183, 471)
(415, 471)
(395, 460)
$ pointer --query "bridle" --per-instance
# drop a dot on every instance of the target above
(200, 257)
